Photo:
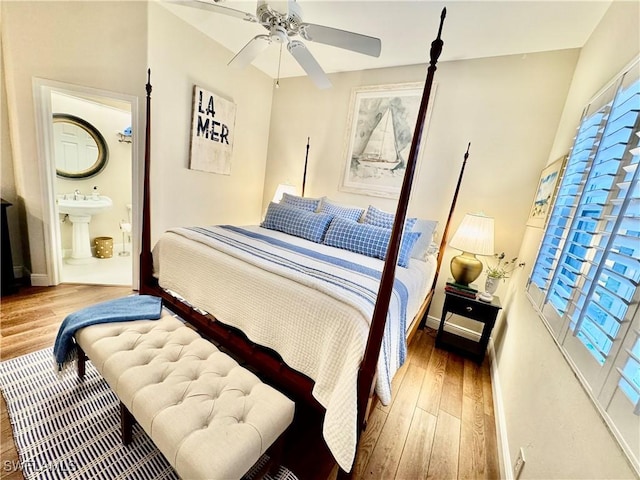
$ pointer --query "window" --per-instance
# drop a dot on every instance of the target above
(585, 278)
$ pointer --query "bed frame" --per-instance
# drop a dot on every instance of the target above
(269, 364)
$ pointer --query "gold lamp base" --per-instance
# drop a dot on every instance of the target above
(465, 268)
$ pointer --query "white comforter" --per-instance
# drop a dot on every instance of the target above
(310, 303)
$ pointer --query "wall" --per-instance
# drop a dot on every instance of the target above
(113, 181)
(545, 409)
(507, 107)
(180, 196)
(91, 44)
(15, 213)
(95, 45)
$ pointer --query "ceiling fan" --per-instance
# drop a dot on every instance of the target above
(283, 20)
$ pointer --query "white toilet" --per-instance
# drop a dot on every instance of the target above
(125, 227)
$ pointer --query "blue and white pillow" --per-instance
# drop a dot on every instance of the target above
(308, 204)
(367, 240)
(294, 221)
(349, 213)
(382, 219)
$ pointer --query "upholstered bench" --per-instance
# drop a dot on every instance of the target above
(210, 417)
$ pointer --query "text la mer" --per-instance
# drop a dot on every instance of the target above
(208, 127)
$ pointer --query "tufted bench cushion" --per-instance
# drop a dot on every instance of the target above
(210, 417)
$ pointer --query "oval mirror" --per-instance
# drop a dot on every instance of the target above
(80, 149)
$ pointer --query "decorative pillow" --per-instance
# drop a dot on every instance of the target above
(367, 239)
(350, 213)
(427, 229)
(308, 204)
(382, 219)
(300, 223)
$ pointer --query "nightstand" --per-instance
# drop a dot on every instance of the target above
(8, 282)
(483, 312)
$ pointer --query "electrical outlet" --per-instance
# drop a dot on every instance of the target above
(519, 464)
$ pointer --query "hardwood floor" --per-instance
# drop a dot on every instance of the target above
(29, 321)
(440, 424)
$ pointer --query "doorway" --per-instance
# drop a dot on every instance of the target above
(91, 233)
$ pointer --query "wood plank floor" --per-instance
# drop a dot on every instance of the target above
(440, 424)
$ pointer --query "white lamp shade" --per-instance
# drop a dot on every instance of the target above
(474, 235)
(282, 189)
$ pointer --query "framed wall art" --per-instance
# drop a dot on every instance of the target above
(546, 193)
(379, 133)
(212, 129)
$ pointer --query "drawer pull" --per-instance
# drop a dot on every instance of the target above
(469, 308)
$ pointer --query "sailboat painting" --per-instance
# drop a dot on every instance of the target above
(381, 120)
(381, 150)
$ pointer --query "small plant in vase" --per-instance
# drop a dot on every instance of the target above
(499, 270)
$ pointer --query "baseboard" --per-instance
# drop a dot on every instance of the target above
(39, 280)
(506, 467)
(433, 322)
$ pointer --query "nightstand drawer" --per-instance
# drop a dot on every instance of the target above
(486, 313)
(469, 308)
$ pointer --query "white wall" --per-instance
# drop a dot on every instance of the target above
(507, 107)
(99, 45)
(181, 57)
(546, 410)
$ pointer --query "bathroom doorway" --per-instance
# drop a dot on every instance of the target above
(88, 152)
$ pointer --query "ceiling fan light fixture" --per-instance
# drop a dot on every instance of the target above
(279, 34)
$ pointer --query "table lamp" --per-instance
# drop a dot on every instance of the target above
(473, 237)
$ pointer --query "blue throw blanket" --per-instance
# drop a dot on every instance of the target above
(135, 307)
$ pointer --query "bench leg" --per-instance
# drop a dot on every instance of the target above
(82, 359)
(275, 453)
(272, 466)
(126, 424)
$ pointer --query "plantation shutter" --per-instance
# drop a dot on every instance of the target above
(555, 282)
(586, 275)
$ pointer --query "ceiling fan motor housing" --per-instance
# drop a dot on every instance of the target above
(287, 16)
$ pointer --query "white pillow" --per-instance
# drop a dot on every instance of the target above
(427, 228)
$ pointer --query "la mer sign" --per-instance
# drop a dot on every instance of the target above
(212, 132)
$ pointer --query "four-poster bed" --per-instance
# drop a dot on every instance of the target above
(269, 363)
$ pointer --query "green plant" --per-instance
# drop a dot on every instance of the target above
(501, 268)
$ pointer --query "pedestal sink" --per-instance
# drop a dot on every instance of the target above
(80, 209)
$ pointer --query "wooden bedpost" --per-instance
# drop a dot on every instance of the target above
(445, 232)
(146, 260)
(368, 367)
(304, 174)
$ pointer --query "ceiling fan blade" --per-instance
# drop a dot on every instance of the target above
(215, 8)
(250, 51)
(308, 63)
(341, 39)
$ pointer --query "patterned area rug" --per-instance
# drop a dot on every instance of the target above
(67, 428)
